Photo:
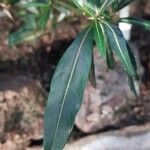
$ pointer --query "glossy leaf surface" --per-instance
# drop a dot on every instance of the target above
(110, 58)
(42, 22)
(119, 4)
(26, 32)
(35, 4)
(92, 77)
(66, 92)
(118, 45)
(99, 37)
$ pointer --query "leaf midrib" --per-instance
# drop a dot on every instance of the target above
(68, 85)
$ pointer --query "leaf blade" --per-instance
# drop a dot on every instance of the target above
(118, 45)
(119, 4)
(92, 77)
(105, 4)
(137, 21)
(71, 79)
(27, 32)
(36, 4)
(85, 6)
(100, 38)
(134, 86)
(110, 58)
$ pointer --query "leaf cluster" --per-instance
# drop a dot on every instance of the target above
(77, 65)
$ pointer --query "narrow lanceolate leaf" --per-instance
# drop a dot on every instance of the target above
(66, 92)
(137, 21)
(133, 81)
(99, 37)
(92, 76)
(85, 6)
(119, 4)
(134, 85)
(118, 45)
(105, 4)
(42, 22)
(110, 58)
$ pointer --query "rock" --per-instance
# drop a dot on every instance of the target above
(141, 9)
(22, 102)
(131, 138)
(108, 104)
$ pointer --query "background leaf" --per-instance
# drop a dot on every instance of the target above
(105, 4)
(85, 6)
(137, 21)
(26, 32)
(13, 1)
(66, 93)
(134, 86)
(42, 22)
(36, 4)
(119, 4)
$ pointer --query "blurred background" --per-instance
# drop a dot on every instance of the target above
(111, 117)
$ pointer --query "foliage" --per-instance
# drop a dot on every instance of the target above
(77, 64)
(37, 17)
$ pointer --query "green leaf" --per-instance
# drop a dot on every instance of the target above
(110, 58)
(66, 92)
(26, 32)
(118, 45)
(119, 4)
(133, 60)
(44, 13)
(36, 4)
(137, 21)
(134, 86)
(105, 5)
(86, 7)
(99, 37)
(92, 77)
(22, 36)
(12, 2)
(42, 22)
(102, 44)
(133, 81)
